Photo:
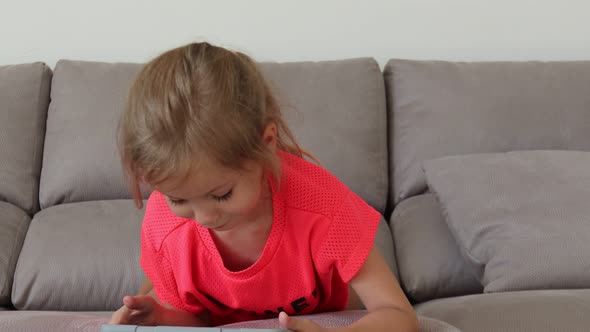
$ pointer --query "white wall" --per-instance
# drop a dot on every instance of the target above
(136, 30)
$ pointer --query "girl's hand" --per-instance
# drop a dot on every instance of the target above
(138, 310)
(298, 324)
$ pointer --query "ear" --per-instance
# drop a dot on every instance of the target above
(270, 136)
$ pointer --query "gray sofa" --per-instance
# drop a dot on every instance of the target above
(69, 232)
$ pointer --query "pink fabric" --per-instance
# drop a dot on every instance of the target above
(321, 235)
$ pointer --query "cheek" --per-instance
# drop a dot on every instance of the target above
(183, 211)
(244, 202)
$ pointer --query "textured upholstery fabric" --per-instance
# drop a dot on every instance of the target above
(88, 97)
(81, 256)
(344, 318)
(429, 261)
(527, 311)
(442, 108)
(46, 321)
(384, 243)
(337, 111)
(522, 218)
(24, 96)
(14, 223)
(105, 259)
(39, 321)
(86, 101)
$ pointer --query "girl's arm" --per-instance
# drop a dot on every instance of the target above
(146, 287)
(147, 309)
(388, 308)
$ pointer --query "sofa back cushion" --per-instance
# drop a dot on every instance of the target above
(81, 160)
(24, 96)
(335, 108)
(450, 108)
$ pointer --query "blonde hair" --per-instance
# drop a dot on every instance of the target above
(193, 101)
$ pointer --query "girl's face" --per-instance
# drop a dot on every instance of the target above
(219, 198)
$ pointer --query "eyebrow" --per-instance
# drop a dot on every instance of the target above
(209, 193)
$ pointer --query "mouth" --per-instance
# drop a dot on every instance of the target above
(220, 227)
(224, 226)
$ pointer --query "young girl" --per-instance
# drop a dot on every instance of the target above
(239, 226)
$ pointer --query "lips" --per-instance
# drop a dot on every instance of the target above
(210, 225)
(220, 227)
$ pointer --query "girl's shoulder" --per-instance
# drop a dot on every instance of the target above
(310, 187)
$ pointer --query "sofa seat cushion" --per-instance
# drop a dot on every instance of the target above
(80, 257)
(430, 263)
(14, 223)
(50, 321)
(85, 256)
(526, 311)
(384, 243)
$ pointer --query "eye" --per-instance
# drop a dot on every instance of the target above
(176, 202)
(224, 197)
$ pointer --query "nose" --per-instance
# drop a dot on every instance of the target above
(205, 216)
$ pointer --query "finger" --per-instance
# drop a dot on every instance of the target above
(297, 324)
(120, 316)
(137, 317)
(141, 303)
